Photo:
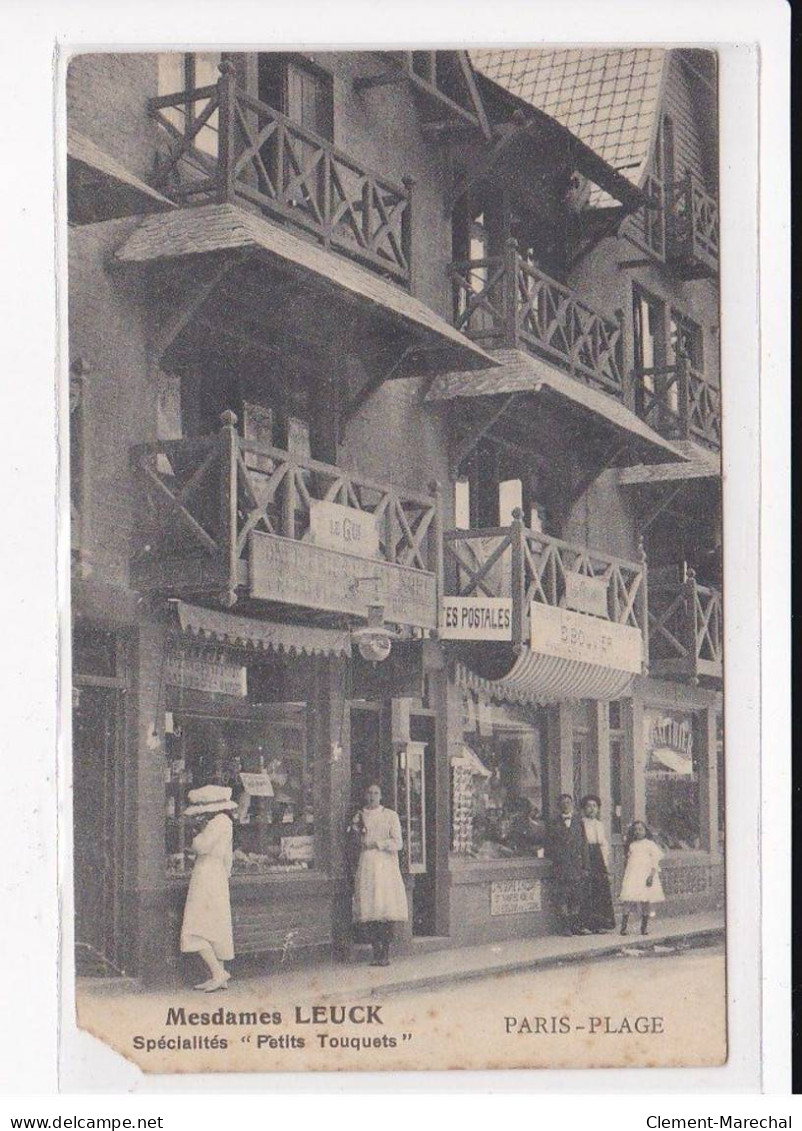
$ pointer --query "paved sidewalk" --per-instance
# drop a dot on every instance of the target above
(440, 968)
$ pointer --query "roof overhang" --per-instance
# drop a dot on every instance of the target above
(100, 188)
(213, 626)
(535, 680)
(520, 372)
(297, 272)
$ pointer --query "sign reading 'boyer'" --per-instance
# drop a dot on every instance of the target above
(574, 636)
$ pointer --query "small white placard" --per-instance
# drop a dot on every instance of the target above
(476, 618)
(346, 529)
(586, 594)
(258, 785)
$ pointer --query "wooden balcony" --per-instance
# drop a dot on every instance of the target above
(680, 403)
(507, 302)
(692, 230)
(226, 146)
(530, 567)
(232, 521)
(685, 630)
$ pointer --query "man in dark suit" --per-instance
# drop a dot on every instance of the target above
(565, 847)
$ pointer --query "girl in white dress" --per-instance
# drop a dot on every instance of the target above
(641, 885)
(206, 929)
(380, 898)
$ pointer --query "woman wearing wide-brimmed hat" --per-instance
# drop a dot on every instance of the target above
(206, 929)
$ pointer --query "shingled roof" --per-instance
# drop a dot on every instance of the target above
(607, 97)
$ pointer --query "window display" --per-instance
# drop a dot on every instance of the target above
(672, 779)
(262, 751)
(498, 784)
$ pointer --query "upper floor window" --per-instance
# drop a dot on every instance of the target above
(300, 89)
(649, 327)
(686, 338)
(190, 71)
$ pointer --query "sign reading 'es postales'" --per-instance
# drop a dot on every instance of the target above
(476, 618)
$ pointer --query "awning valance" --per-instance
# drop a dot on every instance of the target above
(100, 188)
(536, 679)
(248, 632)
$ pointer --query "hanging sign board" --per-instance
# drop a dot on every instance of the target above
(476, 618)
(575, 636)
(586, 594)
(515, 897)
(216, 677)
(346, 529)
(298, 573)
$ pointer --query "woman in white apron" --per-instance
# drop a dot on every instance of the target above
(206, 929)
(380, 898)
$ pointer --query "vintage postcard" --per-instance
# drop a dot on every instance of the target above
(395, 441)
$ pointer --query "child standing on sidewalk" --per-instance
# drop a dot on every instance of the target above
(641, 884)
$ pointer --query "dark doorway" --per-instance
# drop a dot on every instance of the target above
(366, 760)
(421, 798)
(98, 825)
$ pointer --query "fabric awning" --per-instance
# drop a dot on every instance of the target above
(100, 188)
(227, 228)
(521, 372)
(536, 679)
(248, 632)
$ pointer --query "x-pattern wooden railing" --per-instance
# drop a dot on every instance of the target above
(654, 215)
(685, 627)
(679, 402)
(694, 221)
(507, 301)
(287, 171)
(206, 496)
(532, 567)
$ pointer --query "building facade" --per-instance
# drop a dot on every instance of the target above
(394, 455)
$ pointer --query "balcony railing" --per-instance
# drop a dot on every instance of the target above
(507, 302)
(228, 146)
(692, 229)
(680, 403)
(207, 498)
(531, 567)
(685, 629)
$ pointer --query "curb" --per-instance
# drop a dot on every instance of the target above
(518, 966)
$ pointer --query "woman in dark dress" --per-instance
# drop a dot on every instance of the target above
(596, 912)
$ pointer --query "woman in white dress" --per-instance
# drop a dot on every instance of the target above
(206, 928)
(641, 885)
(380, 898)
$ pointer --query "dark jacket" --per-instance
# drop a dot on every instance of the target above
(567, 850)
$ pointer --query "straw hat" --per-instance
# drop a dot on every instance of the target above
(209, 799)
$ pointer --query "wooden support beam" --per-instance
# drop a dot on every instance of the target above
(667, 501)
(469, 444)
(385, 78)
(182, 315)
(476, 98)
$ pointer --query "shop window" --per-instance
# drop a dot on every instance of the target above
(257, 743)
(180, 71)
(498, 784)
(672, 779)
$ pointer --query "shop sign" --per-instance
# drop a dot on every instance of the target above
(515, 897)
(351, 531)
(298, 573)
(476, 618)
(586, 594)
(672, 734)
(575, 636)
(298, 848)
(216, 677)
(257, 785)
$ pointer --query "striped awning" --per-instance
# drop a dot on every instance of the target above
(214, 625)
(535, 680)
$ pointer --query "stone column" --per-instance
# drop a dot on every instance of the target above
(633, 775)
(599, 766)
(704, 738)
(560, 752)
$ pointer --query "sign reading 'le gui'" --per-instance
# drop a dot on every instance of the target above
(217, 678)
(335, 527)
(574, 636)
(476, 618)
(586, 594)
(298, 573)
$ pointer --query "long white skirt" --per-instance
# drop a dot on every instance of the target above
(379, 892)
(207, 913)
